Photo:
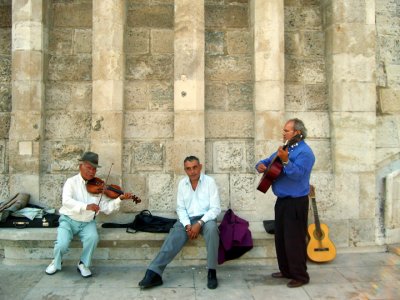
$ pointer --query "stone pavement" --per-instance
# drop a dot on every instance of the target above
(349, 276)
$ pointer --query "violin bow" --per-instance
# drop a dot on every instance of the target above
(105, 185)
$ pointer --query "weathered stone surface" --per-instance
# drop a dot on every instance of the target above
(76, 96)
(232, 124)
(4, 187)
(304, 70)
(388, 132)
(146, 156)
(3, 157)
(238, 42)
(5, 68)
(51, 190)
(75, 14)
(5, 41)
(214, 42)
(162, 192)
(137, 41)
(5, 120)
(156, 67)
(226, 16)
(82, 41)
(159, 16)
(306, 17)
(75, 125)
(70, 68)
(354, 146)
(162, 41)
(389, 101)
(5, 98)
(241, 186)
(236, 68)
(233, 156)
(63, 157)
(148, 125)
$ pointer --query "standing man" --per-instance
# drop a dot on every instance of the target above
(292, 187)
(198, 206)
(78, 211)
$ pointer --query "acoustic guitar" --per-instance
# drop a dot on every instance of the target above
(320, 248)
(275, 167)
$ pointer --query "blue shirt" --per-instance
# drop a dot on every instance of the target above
(204, 201)
(294, 180)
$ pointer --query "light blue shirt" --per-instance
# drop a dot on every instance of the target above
(204, 201)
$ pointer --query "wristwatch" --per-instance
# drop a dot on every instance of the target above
(285, 162)
(201, 222)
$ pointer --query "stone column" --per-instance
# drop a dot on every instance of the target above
(350, 52)
(268, 28)
(108, 83)
(26, 130)
(189, 132)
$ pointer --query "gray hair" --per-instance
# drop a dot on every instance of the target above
(299, 125)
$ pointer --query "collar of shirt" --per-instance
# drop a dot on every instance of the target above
(187, 179)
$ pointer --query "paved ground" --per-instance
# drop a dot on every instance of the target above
(349, 276)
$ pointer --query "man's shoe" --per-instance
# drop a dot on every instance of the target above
(150, 279)
(296, 283)
(85, 272)
(278, 275)
(51, 269)
(212, 281)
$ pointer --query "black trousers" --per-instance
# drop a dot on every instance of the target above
(290, 237)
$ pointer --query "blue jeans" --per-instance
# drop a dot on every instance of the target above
(87, 232)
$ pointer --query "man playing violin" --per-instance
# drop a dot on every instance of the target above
(291, 187)
(78, 211)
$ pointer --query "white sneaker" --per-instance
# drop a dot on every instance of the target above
(85, 272)
(51, 269)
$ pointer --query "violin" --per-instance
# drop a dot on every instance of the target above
(113, 191)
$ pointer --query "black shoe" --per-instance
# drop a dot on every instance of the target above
(212, 281)
(150, 279)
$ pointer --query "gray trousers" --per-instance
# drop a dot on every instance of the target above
(177, 238)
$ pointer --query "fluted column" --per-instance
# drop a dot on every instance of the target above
(268, 29)
(108, 82)
(26, 130)
(189, 132)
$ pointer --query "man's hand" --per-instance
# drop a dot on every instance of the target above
(193, 231)
(261, 168)
(125, 196)
(283, 154)
(93, 207)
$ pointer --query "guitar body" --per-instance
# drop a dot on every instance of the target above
(269, 176)
(275, 167)
(320, 248)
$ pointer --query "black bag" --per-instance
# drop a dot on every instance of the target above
(145, 221)
(269, 226)
(47, 221)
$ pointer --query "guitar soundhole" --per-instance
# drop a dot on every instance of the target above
(319, 235)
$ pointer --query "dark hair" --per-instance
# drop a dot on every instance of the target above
(299, 125)
(191, 158)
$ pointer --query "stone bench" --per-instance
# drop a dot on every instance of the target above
(35, 246)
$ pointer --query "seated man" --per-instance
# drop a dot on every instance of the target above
(78, 211)
(198, 206)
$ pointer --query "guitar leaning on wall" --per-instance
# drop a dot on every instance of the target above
(320, 248)
(275, 167)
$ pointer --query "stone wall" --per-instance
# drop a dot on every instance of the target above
(5, 93)
(130, 80)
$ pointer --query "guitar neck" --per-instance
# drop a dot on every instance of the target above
(316, 218)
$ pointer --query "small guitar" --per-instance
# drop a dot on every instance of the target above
(320, 248)
(275, 167)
